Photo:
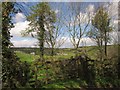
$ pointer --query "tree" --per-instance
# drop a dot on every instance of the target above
(6, 41)
(14, 73)
(41, 16)
(100, 30)
(54, 34)
(77, 23)
(100, 34)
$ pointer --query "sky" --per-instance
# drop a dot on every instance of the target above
(21, 24)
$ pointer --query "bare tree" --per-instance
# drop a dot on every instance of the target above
(76, 23)
(54, 35)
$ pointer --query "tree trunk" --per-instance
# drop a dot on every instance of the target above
(41, 37)
(52, 51)
(118, 61)
(36, 77)
(105, 44)
(101, 49)
(105, 48)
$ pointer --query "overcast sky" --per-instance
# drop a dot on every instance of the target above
(21, 24)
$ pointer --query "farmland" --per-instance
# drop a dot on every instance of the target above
(63, 53)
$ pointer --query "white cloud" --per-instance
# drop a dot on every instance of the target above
(84, 17)
(83, 42)
(20, 24)
(115, 0)
(19, 17)
(113, 10)
(91, 11)
(90, 8)
(67, 43)
(115, 21)
(16, 31)
(86, 41)
(57, 11)
(114, 37)
(24, 43)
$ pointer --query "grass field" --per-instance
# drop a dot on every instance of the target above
(61, 54)
(26, 57)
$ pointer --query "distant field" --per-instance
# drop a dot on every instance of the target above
(60, 54)
(30, 57)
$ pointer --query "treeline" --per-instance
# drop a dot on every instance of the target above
(36, 51)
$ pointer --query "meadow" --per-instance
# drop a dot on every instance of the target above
(26, 54)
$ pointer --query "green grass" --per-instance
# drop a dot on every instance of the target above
(26, 57)
(61, 55)
(67, 84)
(30, 58)
(63, 84)
(41, 73)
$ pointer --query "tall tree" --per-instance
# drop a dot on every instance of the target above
(77, 23)
(6, 41)
(100, 30)
(14, 72)
(55, 32)
(40, 17)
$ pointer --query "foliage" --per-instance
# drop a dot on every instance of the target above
(100, 30)
(61, 69)
(14, 73)
(100, 34)
(40, 18)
